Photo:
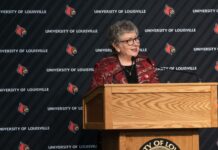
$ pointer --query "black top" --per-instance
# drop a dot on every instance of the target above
(131, 74)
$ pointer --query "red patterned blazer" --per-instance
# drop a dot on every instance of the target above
(109, 70)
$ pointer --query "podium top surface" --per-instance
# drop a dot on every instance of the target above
(151, 85)
(163, 84)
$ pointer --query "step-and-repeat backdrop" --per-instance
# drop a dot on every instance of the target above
(48, 49)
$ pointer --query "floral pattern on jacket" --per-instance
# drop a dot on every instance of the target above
(109, 70)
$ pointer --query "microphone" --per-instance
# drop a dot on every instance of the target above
(133, 59)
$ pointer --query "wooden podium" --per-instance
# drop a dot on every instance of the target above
(129, 115)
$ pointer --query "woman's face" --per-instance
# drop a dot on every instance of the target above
(128, 44)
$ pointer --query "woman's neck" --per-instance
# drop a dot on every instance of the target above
(125, 60)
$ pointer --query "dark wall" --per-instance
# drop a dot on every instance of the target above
(46, 54)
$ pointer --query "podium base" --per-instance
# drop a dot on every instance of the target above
(150, 140)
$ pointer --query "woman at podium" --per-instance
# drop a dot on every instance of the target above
(126, 65)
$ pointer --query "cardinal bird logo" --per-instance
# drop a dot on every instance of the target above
(170, 49)
(23, 146)
(216, 66)
(71, 50)
(215, 29)
(70, 11)
(22, 70)
(73, 127)
(169, 11)
(23, 109)
(20, 31)
(72, 89)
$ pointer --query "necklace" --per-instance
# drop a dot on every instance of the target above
(129, 69)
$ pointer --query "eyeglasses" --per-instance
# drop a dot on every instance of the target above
(131, 41)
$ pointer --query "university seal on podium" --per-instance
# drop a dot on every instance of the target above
(159, 144)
